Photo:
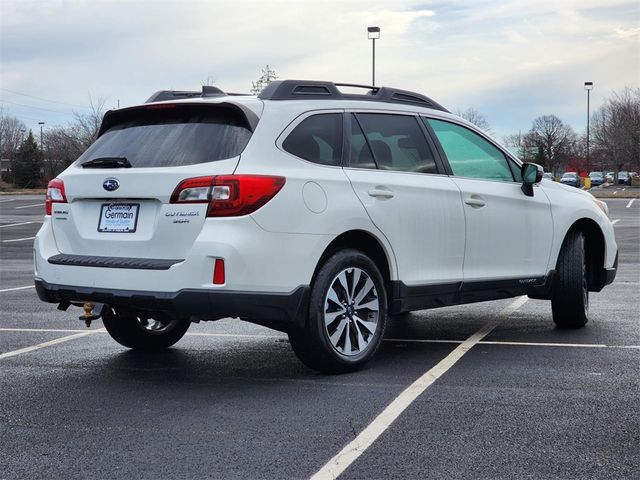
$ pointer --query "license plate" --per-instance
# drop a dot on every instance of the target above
(118, 217)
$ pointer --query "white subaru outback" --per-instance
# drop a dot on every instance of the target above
(312, 211)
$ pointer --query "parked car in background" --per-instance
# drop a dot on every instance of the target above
(548, 175)
(624, 178)
(609, 177)
(571, 178)
(597, 178)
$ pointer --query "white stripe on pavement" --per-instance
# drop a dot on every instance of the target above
(630, 202)
(18, 224)
(613, 222)
(511, 344)
(18, 239)
(17, 288)
(9, 200)
(365, 439)
(44, 330)
(567, 345)
(47, 344)
(391, 340)
(29, 206)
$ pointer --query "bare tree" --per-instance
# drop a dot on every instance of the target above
(63, 148)
(474, 116)
(265, 79)
(86, 126)
(550, 142)
(616, 129)
(12, 134)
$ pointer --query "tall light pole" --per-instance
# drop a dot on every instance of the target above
(373, 33)
(588, 86)
(41, 125)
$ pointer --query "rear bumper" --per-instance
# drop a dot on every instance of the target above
(281, 311)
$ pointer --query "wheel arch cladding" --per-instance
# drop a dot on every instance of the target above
(364, 242)
(594, 251)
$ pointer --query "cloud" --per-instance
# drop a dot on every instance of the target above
(628, 32)
(491, 54)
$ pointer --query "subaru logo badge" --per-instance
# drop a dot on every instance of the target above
(111, 184)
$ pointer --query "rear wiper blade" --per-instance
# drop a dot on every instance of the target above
(107, 162)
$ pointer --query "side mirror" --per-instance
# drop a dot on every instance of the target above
(531, 173)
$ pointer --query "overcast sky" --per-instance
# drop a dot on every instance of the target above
(513, 60)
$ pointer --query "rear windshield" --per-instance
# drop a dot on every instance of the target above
(171, 135)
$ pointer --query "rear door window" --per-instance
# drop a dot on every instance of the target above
(318, 139)
(394, 142)
(171, 135)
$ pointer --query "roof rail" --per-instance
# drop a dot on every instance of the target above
(318, 90)
(207, 91)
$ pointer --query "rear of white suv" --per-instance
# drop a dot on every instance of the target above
(308, 211)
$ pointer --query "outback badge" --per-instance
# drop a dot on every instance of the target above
(111, 184)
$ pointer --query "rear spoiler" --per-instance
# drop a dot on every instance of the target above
(113, 117)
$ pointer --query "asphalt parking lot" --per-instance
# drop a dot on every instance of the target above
(231, 400)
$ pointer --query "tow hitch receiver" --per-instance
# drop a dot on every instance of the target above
(92, 311)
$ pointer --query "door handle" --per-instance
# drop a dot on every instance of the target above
(381, 192)
(475, 201)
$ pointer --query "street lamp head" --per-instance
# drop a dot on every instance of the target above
(373, 33)
(588, 85)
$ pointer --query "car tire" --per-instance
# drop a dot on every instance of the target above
(146, 334)
(347, 315)
(570, 298)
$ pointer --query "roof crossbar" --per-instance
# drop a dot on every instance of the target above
(318, 90)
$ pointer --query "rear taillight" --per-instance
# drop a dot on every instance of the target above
(228, 195)
(55, 194)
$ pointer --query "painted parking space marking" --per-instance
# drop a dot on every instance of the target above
(18, 224)
(613, 222)
(29, 206)
(47, 344)
(16, 288)
(45, 330)
(352, 451)
(389, 340)
(513, 344)
(630, 202)
(18, 239)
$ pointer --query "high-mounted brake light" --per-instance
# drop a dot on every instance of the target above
(161, 106)
(55, 194)
(229, 195)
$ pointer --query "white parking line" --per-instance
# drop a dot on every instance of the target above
(613, 222)
(18, 224)
(630, 202)
(29, 206)
(17, 288)
(18, 239)
(566, 345)
(513, 344)
(43, 330)
(365, 439)
(9, 200)
(47, 344)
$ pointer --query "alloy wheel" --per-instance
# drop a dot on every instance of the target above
(351, 308)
